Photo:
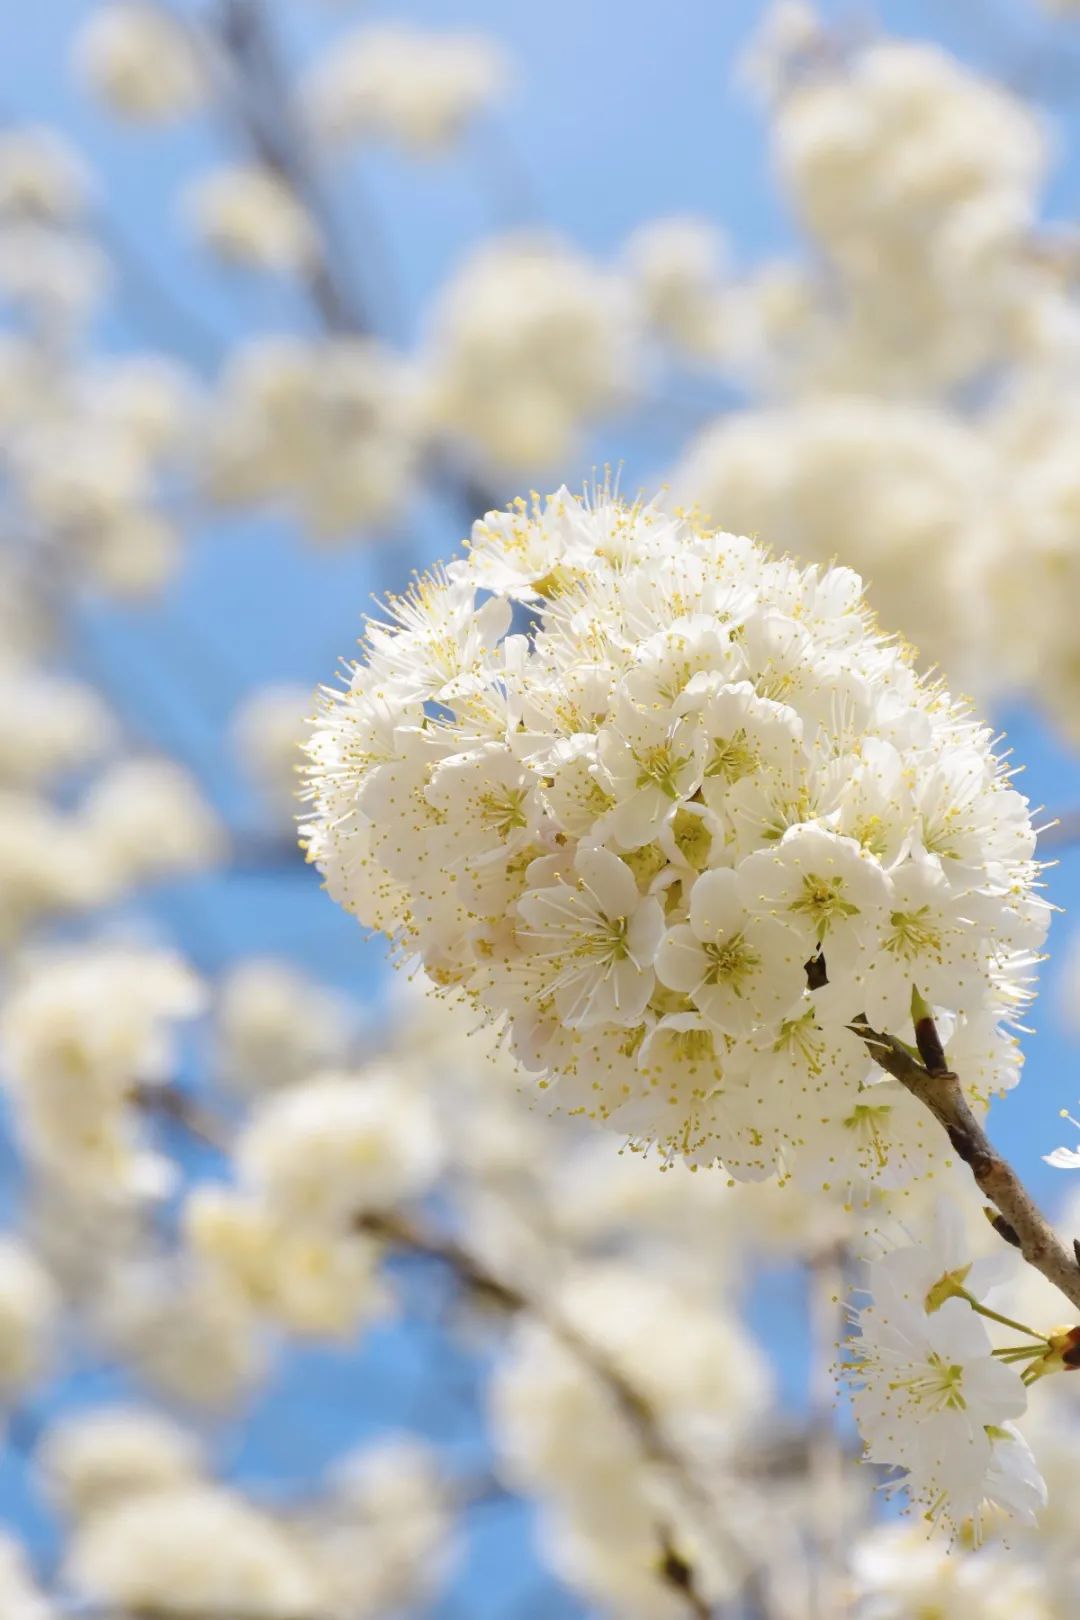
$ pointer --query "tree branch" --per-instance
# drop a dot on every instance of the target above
(1019, 1221)
(672, 1566)
(266, 116)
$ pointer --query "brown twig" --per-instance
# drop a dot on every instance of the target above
(265, 112)
(173, 1104)
(673, 1567)
(1019, 1221)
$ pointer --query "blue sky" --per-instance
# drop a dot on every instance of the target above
(619, 113)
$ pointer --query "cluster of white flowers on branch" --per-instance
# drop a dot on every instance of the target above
(678, 831)
(695, 834)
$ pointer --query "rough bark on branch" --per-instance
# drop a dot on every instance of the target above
(1021, 1221)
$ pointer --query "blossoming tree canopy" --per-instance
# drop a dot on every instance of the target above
(674, 812)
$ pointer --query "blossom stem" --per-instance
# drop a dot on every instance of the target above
(996, 1316)
(1019, 1220)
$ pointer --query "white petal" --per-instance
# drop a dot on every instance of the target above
(1063, 1158)
(680, 961)
(608, 881)
(715, 911)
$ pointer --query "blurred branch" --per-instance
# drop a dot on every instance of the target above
(265, 112)
(488, 1289)
(264, 109)
(171, 1102)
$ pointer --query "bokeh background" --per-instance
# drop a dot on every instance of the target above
(610, 117)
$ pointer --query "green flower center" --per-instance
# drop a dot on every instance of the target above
(940, 1386)
(606, 942)
(732, 758)
(502, 812)
(913, 933)
(871, 1124)
(731, 962)
(821, 899)
(660, 767)
(692, 838)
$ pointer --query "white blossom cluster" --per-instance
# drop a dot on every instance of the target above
(29, 1315)
(1031, 435)
(267, 730)
(91, 447)
(79, 1037)
(276, 1027)
(141, 61)
(562, 1434)
(931, 1397)
(314, 1159)
(633, 1276)
(918, 181)
(331, 429)
(139, 820)
(250, 218)
(679, 832)
(22, 1598)
(151, 1531)
(677, 269)
(926, 277)
(89, 458)
(898, 1575)
(911, 370)
(604, 1250)
(905, 493)
(404, 85)
(52, 274)
(529, 340)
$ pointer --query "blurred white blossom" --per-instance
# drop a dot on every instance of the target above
(249, 217)
(401, 84)
(528, 342)
(276, 1027)
(269, 729)
(906, 494)
(95, 1458)
(678, 267)
(333, 429)
(79, 1034)
(192, 1550)
(147, 819)
(384, 1537)
(29, 1318)
(140, 61)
